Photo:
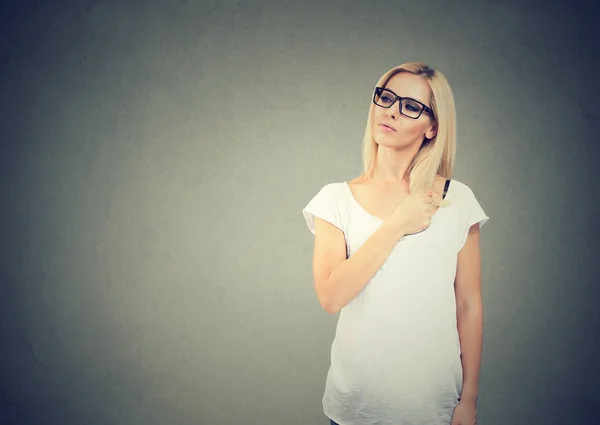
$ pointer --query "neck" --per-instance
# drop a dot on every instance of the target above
(392, 166)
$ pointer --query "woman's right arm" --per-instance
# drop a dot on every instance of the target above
(339, 280)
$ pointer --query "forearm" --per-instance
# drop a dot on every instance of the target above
(470, 330)
(350, 278)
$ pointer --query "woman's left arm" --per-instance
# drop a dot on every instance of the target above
(469, 313)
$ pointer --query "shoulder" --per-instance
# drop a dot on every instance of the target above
(460, 188)
(329, 192)
(327, 204)
(465, 198)
(460, 194)
(333, 187)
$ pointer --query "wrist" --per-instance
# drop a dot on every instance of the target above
(397, 229)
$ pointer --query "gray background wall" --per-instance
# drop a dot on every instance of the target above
(155, 160)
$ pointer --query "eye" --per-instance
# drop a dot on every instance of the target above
(412, 106)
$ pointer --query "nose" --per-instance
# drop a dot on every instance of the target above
(392, 112)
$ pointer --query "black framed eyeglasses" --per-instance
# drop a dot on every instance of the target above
(408, 106)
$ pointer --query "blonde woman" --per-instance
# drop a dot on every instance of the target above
(397, 254)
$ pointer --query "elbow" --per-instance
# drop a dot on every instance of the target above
(326, 299)
(330, 307)
(327, 303)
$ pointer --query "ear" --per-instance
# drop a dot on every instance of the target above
(432, 131)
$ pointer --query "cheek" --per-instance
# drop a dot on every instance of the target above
(377, 117)
(378, 114)
(411, 129)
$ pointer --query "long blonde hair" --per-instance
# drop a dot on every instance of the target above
(436, 155)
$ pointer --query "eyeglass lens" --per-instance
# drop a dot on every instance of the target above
(410, 108)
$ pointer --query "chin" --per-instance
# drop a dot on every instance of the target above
(386, 140)
(381, 137)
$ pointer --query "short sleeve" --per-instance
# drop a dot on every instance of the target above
(472, 213)
(324, 205)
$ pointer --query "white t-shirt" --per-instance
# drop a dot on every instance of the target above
(395, 358)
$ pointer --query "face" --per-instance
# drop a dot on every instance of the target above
(394, 130)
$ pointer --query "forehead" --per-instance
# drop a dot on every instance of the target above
(409, 85)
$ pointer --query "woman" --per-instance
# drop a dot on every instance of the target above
(397, 255)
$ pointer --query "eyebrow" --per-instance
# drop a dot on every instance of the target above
(407, 97)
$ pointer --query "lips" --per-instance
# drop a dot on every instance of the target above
(387, 126)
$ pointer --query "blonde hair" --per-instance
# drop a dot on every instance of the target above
(436, 155)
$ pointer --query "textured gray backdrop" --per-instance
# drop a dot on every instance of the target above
(155, 159)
